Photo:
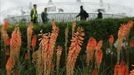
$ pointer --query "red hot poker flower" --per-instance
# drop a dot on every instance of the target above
(5, 24)
(99, 56)
(91, 42)
(122, 31)
(117, 70)
(99, 45)
(90, 49)
(130, 24)
(7, 42)
(9, 65)
(34, 39)
(121, 69)
(124, 68)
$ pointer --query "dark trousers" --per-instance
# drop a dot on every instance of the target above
(34, 20)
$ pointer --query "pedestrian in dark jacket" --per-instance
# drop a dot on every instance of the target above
(34, 14)
(83, 14)
(99, 16)
(44, 16)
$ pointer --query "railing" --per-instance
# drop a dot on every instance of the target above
(59, 17)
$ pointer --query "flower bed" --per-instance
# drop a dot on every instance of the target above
(64, 48)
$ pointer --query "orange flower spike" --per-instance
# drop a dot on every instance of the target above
(122, 31)
(29, 29)
(5, 24)
(34, 40)
(126, 70)
(15, 39)
(99, 56)
(4, 35)
(130, 24)
(59, 52)
(99, 45)
(8, 66)
(74, 49)
(91, 42)
(111, 40)
(117, 69)
(51, 69)
(29, 34)
(7, 42)
(122, 67)
(90, 49)
(15, 44)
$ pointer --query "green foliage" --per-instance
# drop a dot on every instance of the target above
(100, 29)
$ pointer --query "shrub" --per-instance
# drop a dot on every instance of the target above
(99, 29)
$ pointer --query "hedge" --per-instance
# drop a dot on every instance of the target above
(100, 29)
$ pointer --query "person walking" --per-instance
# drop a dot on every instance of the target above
(44, 16)
(83, 14)
(99, 15)
(33, 14)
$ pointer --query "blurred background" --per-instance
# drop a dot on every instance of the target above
(16, 10)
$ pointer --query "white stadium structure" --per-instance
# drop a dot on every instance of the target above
(66, 11)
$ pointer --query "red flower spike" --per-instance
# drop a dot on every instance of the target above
(9, 65)
(99, 45)
(117, 70)
(7, 42)
(91, 42)
(5, 24)
(34, 40)
(90, 49)
(122, 67)
(99, 56)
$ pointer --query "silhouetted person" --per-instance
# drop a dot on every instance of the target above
(44, 16)
(99, 16)
(83, 14)
(34, 14)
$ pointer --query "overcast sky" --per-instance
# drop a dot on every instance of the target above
(7, 4)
